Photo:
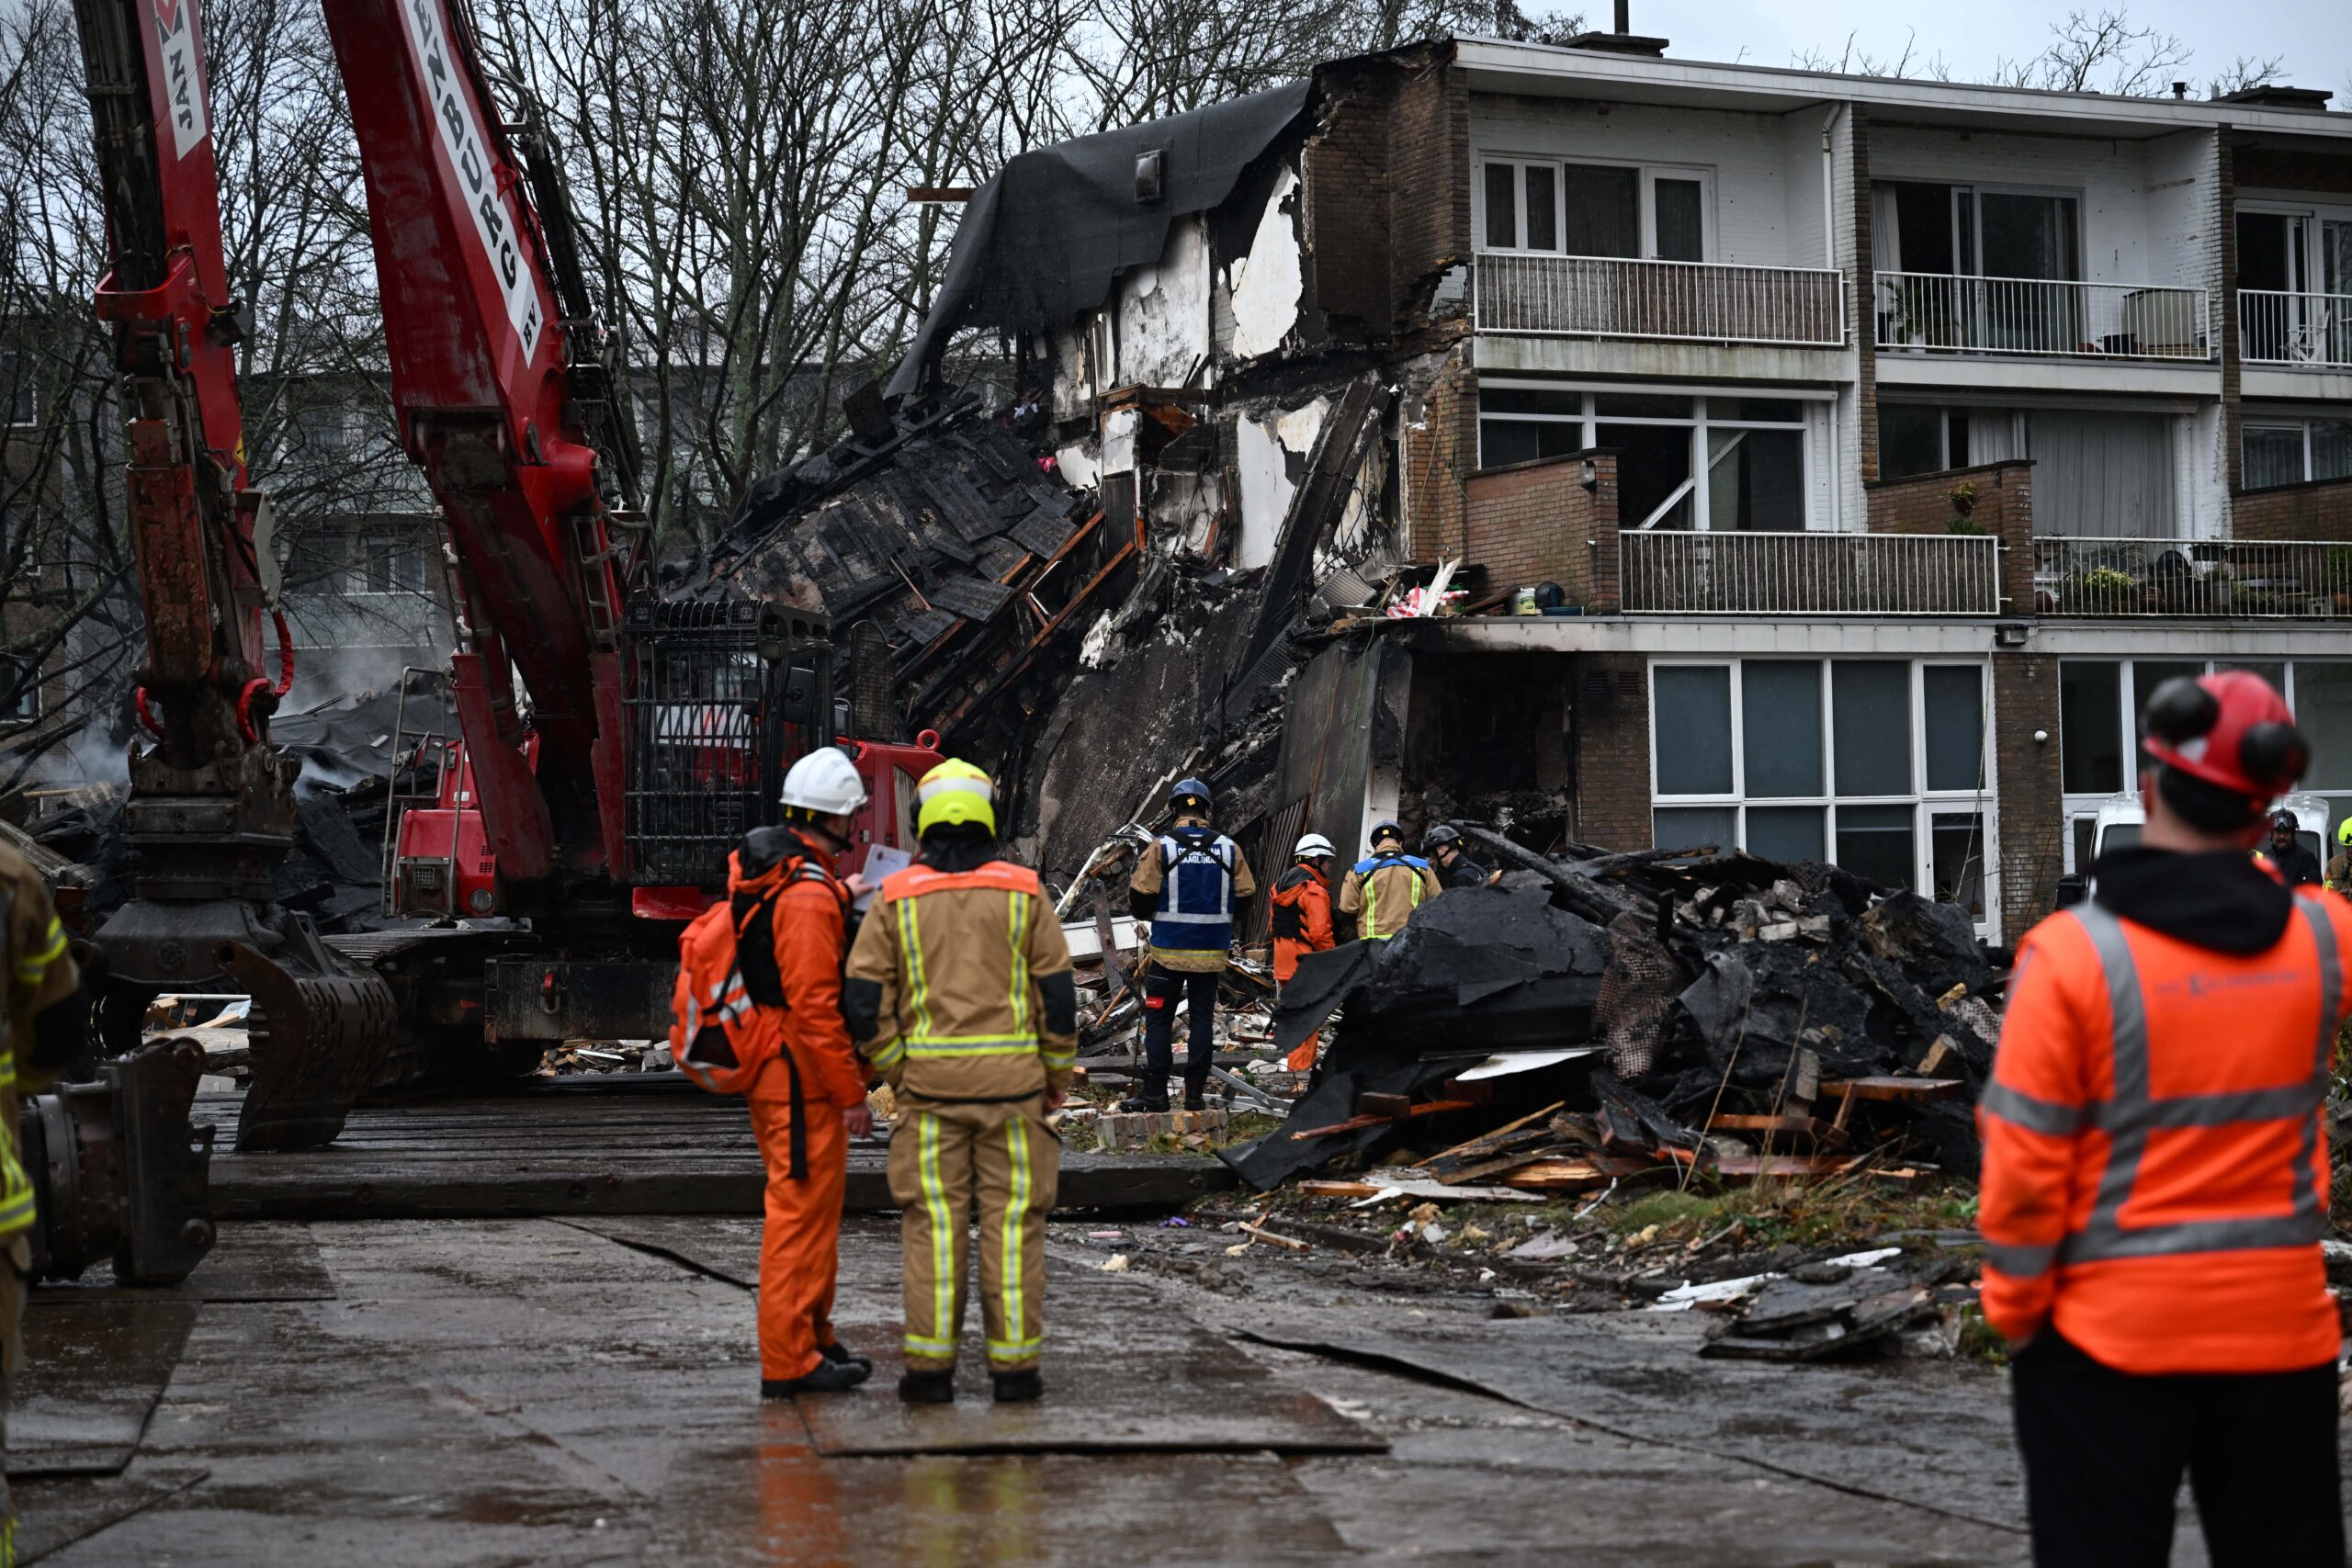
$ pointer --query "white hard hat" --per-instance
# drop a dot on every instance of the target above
(825, 780)
(1313, 844)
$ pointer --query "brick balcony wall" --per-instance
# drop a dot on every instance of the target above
(1535, 522)
(2027, 784)
(2317, 510)
(1613, 751)
(1922, 504)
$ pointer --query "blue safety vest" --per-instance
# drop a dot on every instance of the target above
(1194, 914)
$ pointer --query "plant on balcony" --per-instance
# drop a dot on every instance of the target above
(1962, 497)
(2100, 588)
(1922, 316)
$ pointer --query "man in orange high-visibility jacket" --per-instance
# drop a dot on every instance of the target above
(2156, 1175)
(1302, 921)
(809, 1100)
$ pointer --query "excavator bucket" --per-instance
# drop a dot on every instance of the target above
(320, 1036)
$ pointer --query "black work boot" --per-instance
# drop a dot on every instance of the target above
(924, 1387)
(1150, 1095)
(831, 1376)
(1018, 1388)
(841, 1355)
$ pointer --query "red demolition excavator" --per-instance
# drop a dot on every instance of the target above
(614, 745)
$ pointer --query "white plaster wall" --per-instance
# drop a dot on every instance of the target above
(1265, 490)
(1807, 243)
(2180, 174)
(1164, 311)
(1748, 154)
(1119, 441)
(1269, 283)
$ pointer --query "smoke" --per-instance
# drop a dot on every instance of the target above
(90, 756)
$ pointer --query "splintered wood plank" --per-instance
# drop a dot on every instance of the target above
(1892, 1089)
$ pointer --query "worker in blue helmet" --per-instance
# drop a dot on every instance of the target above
(1188, 885)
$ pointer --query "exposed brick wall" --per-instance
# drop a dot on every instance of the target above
(1922, 504)
(1344, 175)
(2288, 168)
(2320, 511)
(2224, 293)
(1862, 319)
(1536, 522)
(2026, 781)
(1612, 736)
(1440, 454)
(1428, 172)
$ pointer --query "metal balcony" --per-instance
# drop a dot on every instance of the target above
(1926, 312)
(2235, 579)
(2276, 327)
(1678, 301)
(1680, 573)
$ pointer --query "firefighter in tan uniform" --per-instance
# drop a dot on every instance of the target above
(48, 1025)
(1384, 888)
(959, 992)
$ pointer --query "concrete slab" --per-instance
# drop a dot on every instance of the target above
(91, 1380)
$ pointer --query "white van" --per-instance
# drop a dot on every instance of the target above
(2121, 817)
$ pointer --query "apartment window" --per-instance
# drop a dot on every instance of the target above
(1913, 439)
(389, 560)
(1974, 230)
(2294, 276)
(1593, 209)
(322, 433)
(18, 394)
(19, 691)
(2100, 701)
(2296, 451)
(1876, 765)
(1683, 462)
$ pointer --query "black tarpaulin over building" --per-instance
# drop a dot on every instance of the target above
(1048, 236)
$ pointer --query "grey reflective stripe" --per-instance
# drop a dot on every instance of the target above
(2331, 1019)
(2025, 1262)
(2034, 1114)
(2128, 1135)
(2131, 1114)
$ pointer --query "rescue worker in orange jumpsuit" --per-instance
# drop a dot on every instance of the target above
(961, 993)
(2156, 1176)
(1302, 920)
(809, 1100)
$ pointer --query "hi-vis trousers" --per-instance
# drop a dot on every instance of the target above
(944, 1159)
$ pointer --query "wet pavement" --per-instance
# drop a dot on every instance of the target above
(578, 1392)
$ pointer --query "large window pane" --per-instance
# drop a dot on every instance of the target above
(2090, 727)
(1680, 207)
(2274, 455)
(2323, 713)
(1502, 441)
(1755, 480)
(1870, 701)
(1604, 211)
(1693, 727)
(1530, 399)
(2272, 671)
(1542, 219)
(1875, 842)
(1653, 461)
(1786, 832)
(1780, 710)
(1953, 696)
(2332, 443)
(1502, 207)
(1690, 826)
(1956, 846)
(1910, 440)
(2147, 674)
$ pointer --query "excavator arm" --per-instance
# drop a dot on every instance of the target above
(212, 809)
(505, 398)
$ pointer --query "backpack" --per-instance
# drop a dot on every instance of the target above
(724, 1009)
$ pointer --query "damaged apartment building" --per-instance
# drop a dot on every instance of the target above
(1824, 465)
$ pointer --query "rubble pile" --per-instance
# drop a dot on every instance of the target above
(1599, 1017)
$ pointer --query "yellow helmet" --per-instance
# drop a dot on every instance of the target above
(953, 793)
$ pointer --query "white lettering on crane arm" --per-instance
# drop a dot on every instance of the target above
(176, 32)
(461, 138)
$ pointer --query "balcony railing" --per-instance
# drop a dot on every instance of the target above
(2276, 327)
(1926, 312)
(2310, 578)
(1680, 573)
(1690, 301)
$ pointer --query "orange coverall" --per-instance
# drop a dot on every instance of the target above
(1302, 924)
(800, 1245)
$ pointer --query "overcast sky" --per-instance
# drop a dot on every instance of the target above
(2314, 36)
